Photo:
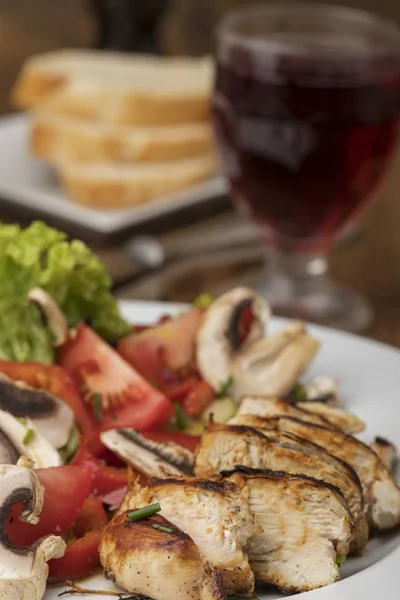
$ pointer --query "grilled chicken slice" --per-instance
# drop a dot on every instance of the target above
(269, 408)
(319, 413)
(386, 451)
(339, 418)
(154, 459)
(306, 526)
(223, 447)
(381, 494)
(215, 515)
(143, 559)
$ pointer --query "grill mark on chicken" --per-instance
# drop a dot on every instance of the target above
(216, 516)
(336, 417)
(305, 523)
(220, 487)
(268, 426)
(381, 493)
(278, 475)
(129, 552)
(268, 408)
(225, 446)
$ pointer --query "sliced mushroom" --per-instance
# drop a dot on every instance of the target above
(323, 389)
(23, 572)
(51, 415)
(22, 438)
(259, 364)
(154, 459)
(55, 318)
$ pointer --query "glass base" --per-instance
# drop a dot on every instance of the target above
(314, 297)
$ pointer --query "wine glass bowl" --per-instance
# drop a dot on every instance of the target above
(306, 110)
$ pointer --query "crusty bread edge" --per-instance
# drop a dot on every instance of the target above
(117, 192)
(33, 85)
(127, 108)
(72, 141)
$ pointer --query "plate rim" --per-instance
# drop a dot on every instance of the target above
(379, 576)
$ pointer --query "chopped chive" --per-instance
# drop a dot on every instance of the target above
(179, 416)
(203, 301)
(114, 416)
(143, 513)
(339, 560)
(97, 407)
(28, 437)
(162, 528)
(225, 387)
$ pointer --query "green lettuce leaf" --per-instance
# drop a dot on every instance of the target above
(40, 256)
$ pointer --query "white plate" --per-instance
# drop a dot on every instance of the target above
(369, 380)
(30, 183)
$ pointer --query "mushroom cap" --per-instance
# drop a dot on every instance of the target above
(51, 415)
(55, 318)
(19, 438)
(23, 571)
(259, 364)
(217, 342)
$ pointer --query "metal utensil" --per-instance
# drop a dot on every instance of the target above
(150, 255)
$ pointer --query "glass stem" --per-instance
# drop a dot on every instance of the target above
(297, 286)
(299, 265)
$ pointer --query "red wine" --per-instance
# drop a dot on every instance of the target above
(303, 155)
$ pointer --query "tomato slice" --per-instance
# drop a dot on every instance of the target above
(183, 439)
(81, 556)
(65, 491)
(194, 394)
(199, 397)
(80, 559)
(55, 380)
(245, 323)
(164, 353)
(117, 394)
(91, 516)
(105, 479)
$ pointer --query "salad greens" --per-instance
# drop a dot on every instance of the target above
(40, 256)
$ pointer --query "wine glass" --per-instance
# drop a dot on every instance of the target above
(306, 111)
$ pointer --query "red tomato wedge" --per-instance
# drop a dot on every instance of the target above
(117, 394)
(79, 560)
(194, 395)
(91, 516)
(105, 479)
(166, 352)
(55, 380)
(81, 556)
(65, 491)
(183, 439)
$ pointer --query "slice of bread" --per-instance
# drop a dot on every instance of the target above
(116, 87)
(107, 185)
(57, 139)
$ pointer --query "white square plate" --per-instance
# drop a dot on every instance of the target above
(30, 183)
(368, 374)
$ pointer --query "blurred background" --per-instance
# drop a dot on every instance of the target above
(368, 258)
